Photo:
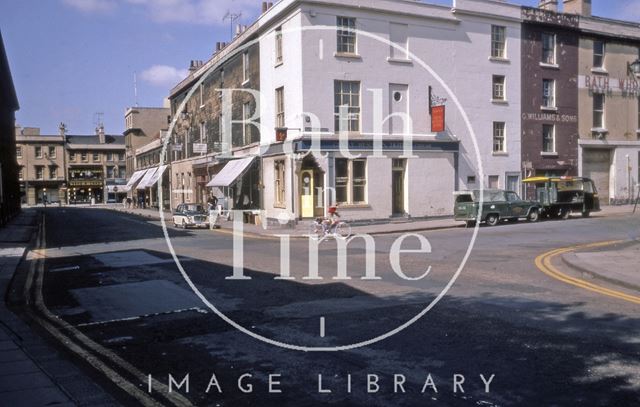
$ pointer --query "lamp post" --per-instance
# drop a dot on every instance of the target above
(44, 197)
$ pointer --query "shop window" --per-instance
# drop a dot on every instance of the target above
(350, 181)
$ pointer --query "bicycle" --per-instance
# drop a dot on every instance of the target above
(322, 228)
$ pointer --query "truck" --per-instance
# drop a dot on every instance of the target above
(562, 196)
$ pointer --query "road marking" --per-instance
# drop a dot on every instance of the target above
(322, 327)
(543, 262)
(37, 269)
(70, 268)
(155, 314)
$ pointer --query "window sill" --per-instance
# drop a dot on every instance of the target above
(600, 130)
(499, 102)
(601, 71)
(543, 154)
(279, 206)
(550, 66)
(500, 154)
(500, 60)
(399, 61)
(353, 206)
(549, 108)
(347, 55)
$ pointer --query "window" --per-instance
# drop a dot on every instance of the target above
(38, 151)
(598, 54)
(109, 156)
(548, 48)
(246, 125)
(278, 45)
(110, 173)
(39, 172)
(53, 172)
(398, 34)
(548, 138)
(350, 180)
(279, 175)
(121, 156)
(19, 151)
(498, 137)
(494, 182)
(548, 93)
(52, 152)
(498, 87)
(84, 157)
(347, 104)
(598, 111)
(346, 35)
(21, 173)
(471, 180)
(245, 66)
(498, 41)
(280, 107)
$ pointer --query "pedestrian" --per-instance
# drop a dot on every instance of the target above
(212, 205)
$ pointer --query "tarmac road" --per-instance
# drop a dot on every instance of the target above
(110, 282)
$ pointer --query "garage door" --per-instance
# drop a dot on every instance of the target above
(596, 164)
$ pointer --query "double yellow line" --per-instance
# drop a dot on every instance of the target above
(544, 263)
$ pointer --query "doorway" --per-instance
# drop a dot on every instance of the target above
(397, 186)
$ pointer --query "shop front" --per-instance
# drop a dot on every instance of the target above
(86, 186)
(237, 185)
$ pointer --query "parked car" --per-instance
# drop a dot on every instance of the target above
(190, 215)
(498, 205)
(561, 196)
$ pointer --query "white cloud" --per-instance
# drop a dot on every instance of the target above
(91, 6)
(163, 75)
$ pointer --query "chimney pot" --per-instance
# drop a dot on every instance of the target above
(264, 7)
(550, 5)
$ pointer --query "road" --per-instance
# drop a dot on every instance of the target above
(110, 286)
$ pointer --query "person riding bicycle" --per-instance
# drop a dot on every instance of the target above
(329, 225)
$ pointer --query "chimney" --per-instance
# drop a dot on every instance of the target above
(549, 5)
(264, 7)
(100, 133)
(580, 7)
(238, 30)
(269, 5)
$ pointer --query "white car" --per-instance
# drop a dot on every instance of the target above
(190, 215)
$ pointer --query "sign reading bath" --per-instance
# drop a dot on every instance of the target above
(133, 300)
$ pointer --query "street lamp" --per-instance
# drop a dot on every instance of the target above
(44, 197)
(633, 68)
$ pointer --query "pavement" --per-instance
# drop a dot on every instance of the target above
(32, 373)
(616, 264)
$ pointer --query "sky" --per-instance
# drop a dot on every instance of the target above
(74, 61)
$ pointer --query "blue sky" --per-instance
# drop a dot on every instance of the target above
(71, 59)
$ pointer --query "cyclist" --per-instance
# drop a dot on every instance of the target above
(329, 225)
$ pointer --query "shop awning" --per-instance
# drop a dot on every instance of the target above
(135, 177)
(231, 172)
(156, 176)
(146, 178)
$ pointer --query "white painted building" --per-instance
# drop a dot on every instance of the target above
(309, 66)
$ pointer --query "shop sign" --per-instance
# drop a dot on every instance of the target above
(177, 147)
(550, 117)
(437, 119)
(200, 148)
(604, 84)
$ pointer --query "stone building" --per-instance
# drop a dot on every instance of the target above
(142, 126)
(95, 162)
(608, 104)
(151, 168)
(42, 171)
(549, 91)
(9, 187)
(198, 142)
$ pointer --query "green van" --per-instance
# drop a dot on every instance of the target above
(498, 205)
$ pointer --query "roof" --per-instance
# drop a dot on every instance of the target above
(115, 139)
(7, 89)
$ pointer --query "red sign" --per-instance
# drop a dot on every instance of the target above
(437, 119)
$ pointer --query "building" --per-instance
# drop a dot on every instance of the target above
(609, 111)
(150, 169)
(142, 126)
(314, 73)
(197, 141)
(9, 187)
(95, 162)
(549, 92)
(42, 171)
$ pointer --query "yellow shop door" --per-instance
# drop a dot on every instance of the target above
(307, 197)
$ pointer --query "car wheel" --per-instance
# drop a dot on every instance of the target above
(586, 214)
(564, 214)
(493, 219)
(533, 216)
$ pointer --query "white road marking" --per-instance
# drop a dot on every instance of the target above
(177, 311)
(322, 327)
(70, 268)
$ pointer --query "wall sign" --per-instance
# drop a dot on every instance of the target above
(437, 119)
(605, 84)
